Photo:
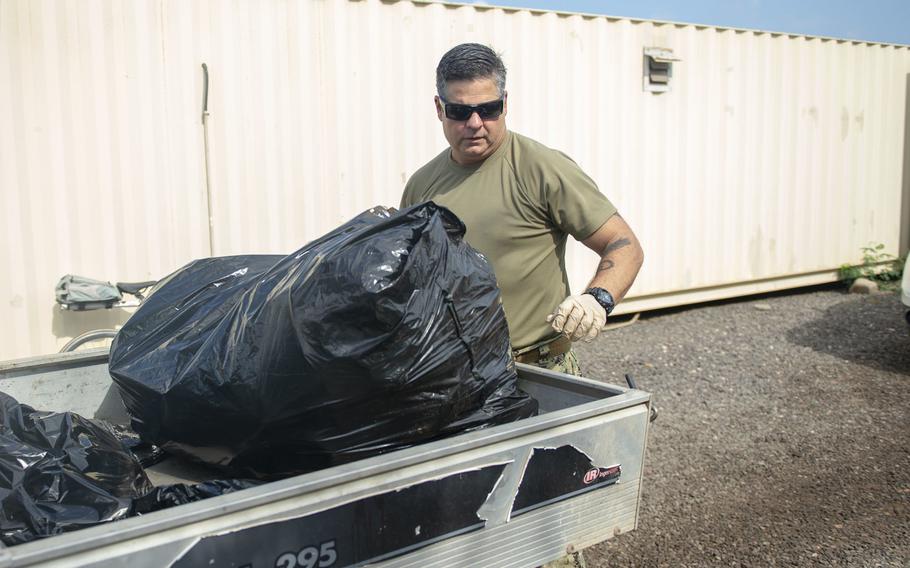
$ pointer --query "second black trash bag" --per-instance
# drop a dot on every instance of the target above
(386, 332)
(60, 472)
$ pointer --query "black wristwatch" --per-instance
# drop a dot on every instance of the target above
(604, 298)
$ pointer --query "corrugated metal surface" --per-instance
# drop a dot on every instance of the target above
(769, 163)
(93, 179)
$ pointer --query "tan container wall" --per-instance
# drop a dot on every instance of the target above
(770, 162)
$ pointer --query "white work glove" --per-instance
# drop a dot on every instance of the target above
(579, 317)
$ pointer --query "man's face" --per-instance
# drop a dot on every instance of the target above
(472, 140)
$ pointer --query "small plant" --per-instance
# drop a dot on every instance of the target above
(878, 265)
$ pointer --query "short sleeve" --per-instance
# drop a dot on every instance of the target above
(417, 186)
(407, 198)
(573, 199)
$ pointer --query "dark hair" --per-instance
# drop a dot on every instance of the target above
(467, 62)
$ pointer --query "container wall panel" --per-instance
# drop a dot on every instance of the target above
(770, 162)
(94, 179)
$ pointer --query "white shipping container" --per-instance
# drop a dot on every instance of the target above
(770, 160)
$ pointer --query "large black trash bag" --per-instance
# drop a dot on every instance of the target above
(386, 332)
(61, 472)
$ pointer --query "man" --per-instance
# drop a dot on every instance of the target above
(519, 201)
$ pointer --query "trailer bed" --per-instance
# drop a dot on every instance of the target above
(515, 495)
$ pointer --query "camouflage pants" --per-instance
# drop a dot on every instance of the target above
(566, 363)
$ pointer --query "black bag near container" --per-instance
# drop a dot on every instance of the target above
(61, 472)
(386, 332)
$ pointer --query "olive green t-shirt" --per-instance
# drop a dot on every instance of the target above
(518, 205)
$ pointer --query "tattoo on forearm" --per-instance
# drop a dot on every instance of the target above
(606, 263)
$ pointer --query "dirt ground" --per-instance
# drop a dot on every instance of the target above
(783, 437)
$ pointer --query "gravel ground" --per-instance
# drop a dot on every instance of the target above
(783, 437)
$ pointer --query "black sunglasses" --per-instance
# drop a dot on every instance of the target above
(486, 111)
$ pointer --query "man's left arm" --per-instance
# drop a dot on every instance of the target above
(621, 257)
(581, 316)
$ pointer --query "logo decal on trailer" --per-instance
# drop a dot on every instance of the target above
(555, 474)
(603, 474)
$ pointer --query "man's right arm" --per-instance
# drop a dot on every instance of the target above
(405, 199)
(408, 195)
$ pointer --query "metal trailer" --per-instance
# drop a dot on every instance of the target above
(519, 494)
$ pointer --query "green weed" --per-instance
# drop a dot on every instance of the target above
(878, 265)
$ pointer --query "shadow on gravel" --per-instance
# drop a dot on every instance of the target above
(870, 331)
